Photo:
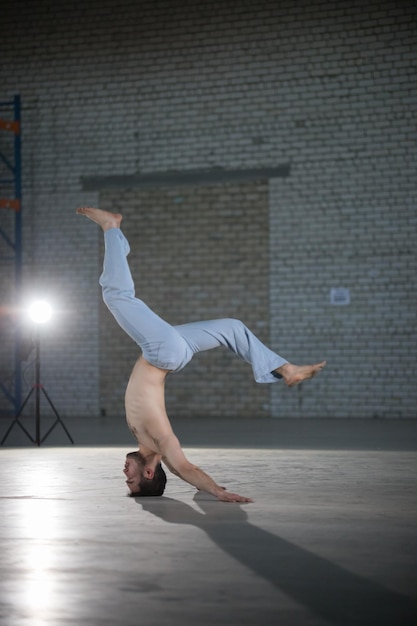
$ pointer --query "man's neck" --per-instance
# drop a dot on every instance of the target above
(151, 457)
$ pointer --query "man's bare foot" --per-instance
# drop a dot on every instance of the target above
(294, 374)
(105, 219)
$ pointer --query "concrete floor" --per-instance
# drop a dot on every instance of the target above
(330, 539)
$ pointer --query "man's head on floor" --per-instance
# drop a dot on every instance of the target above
(143, 479)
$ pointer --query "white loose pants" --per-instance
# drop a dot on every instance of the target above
(172, 347)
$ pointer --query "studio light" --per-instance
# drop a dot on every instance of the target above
(40, 311)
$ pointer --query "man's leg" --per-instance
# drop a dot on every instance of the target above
(132, 314)
(161, 345)
(233, 334)
(267, 366)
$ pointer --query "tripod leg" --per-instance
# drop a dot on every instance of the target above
(16, 420)
(58, 418)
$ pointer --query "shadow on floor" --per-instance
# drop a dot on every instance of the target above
(324, 588)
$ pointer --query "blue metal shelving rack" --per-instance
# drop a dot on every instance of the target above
(11, 200)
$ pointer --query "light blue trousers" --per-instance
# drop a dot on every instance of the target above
(172, 347)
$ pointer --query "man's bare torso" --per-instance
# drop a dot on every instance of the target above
(145, 405)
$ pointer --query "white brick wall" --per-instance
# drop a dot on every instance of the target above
(137, 87)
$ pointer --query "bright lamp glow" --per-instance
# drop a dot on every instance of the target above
(40, 312)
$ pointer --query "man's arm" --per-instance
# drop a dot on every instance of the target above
(178, 464)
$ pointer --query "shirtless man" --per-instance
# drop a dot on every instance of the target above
(168, 349)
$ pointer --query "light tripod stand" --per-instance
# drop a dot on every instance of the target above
(37, 388)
